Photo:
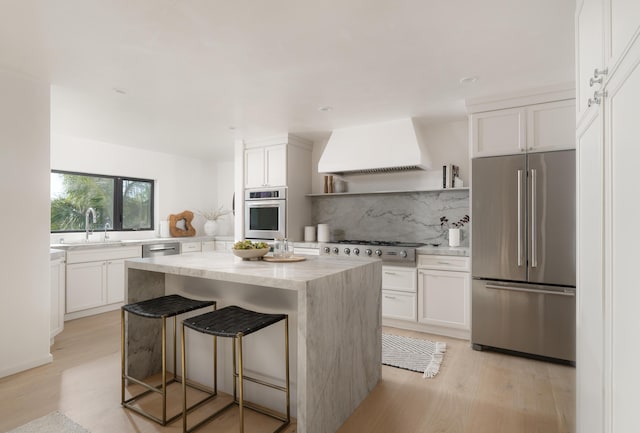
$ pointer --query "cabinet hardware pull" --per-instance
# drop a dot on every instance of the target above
(522, 289)
(443, 263)
(597, 72)
(593, 81)
(534, 212)
(389, 297)
(390, 273)
(519, 180)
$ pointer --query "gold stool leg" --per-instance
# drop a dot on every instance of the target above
(122, 358)
(175, 349)
(286, 354)
(240, 383)
(235, 372)
(184, 382)
(164, 370)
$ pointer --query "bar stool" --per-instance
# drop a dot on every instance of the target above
(160, 308)
(237, 323)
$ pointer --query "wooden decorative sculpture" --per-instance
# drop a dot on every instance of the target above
(187, 217)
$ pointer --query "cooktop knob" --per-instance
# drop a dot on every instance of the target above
(336, 250)
(367, 252)
(347, 251)
(403, 254)
(378, 253)
(356, 251)
(327, 250)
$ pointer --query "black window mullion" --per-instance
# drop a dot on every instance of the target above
(117, 203)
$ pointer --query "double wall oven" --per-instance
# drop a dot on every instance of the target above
(265, 213)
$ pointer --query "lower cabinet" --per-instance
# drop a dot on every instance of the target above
(399, 293)
(94, 286)
(443, 298)
(57, 297)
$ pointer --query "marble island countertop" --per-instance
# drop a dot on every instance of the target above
(220, 265)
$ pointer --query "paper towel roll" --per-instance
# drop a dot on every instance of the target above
(309, 233)
(324, 234)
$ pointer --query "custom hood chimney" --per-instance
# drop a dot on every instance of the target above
(376, 148)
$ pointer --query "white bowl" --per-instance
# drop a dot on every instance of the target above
(251, 254)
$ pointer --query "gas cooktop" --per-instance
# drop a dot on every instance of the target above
(389, 251)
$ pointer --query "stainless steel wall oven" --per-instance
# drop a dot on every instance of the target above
(265, 213)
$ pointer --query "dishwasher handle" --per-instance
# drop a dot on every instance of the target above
(566, 292)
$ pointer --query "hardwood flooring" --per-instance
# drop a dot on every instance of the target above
(474, 392)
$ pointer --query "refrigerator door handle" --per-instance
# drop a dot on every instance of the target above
(519, 217)
(522, 289)
(534, 252)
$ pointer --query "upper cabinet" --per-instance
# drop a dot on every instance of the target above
(605, 33)
(265, 166)
(524, 123)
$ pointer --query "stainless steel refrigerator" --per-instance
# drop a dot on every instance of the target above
(524, 253)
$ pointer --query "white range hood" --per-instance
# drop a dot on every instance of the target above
(376, 148)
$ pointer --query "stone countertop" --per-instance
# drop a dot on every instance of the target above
(80, 245)
(443, 250)
(227, 267)
(56, 254)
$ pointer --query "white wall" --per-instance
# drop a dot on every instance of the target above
(24, 188)
(182, 183)
(447, 142)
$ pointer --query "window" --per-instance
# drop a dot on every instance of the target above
(123, 203)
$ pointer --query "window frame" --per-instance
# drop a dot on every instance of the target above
(118, 199)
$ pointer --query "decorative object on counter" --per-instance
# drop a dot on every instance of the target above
(330, 184)
(454, 232)
(284, 259)
(248, 250)
(324, 234)
(309, 233)
(413, 354)
(176, 221)
(326, 184)
(164, 229)
(212, 217)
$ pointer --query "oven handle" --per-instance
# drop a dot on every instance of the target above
(265, 203)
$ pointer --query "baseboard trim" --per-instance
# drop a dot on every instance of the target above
(26, 366)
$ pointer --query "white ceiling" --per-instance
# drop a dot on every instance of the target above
(191, 69)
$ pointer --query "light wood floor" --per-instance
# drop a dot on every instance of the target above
(474, 392)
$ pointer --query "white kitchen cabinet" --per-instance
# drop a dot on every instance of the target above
(208, 246)
(190, 247)
(608, 38)
(399, 293)
(532, 128)
(58, 278)
(444, 294)
(498, 132)
(265, 166)
(223, 245)
(96, 279)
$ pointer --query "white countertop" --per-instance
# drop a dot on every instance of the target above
(224, 266)
(444, 250)
(111, 243)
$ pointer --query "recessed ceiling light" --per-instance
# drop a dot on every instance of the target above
(325, 108)
(469, 80)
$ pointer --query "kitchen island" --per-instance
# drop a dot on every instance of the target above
(335, 326)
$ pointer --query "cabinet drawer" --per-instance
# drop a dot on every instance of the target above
(398, 305)
(104, 253)
(445, 263)
(397, 278)
(190, 247)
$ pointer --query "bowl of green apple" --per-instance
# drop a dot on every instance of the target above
(248, 250)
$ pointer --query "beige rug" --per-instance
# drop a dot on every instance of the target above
(55, 422)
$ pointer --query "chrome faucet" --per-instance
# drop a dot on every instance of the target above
(86, 222)
(107, 225)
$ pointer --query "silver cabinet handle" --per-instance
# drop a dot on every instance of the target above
(593, 81)
(534, 252)
(162, 249)
(390, 273)
(389, 297)
(522, 289)
(519, 217)
(443, 263)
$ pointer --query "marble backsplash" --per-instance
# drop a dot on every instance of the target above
(402, 216)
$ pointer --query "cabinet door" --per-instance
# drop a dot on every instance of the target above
(500, 132)
(625, 24)
(254, 168)
(551, 126)
(115, 281)
(208, 246)
(589, 49)
(190, 247)
(399, 305)
(443, 298)
(85, 284)
(276, 165)
(57, 297)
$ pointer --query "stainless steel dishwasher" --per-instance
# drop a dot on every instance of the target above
(161, 249)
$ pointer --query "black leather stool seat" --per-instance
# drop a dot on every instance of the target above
(165, 306)
(232, 321)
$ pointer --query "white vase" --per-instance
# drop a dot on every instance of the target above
(454, 237)
(210, 227)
